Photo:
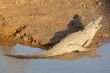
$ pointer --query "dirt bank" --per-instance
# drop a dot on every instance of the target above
(41, 23)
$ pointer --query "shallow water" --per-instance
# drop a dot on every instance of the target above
(96, 61)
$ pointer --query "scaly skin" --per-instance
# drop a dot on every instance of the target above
(74, 42)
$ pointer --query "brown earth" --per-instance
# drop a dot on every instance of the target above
(43, 23)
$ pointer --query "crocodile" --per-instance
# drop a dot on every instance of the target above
(75, 42)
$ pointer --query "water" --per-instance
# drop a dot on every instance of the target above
(96, 61)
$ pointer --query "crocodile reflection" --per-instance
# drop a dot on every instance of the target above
(77, 55)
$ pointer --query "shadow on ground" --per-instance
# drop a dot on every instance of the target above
(73, 26)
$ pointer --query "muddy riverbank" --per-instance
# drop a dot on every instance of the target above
(43, 23)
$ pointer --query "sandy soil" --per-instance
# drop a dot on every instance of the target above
(43, 23)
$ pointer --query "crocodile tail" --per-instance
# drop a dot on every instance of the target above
(26, 56)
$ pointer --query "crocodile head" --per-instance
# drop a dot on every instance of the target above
(94, 26)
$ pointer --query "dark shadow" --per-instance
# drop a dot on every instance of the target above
(107, 5)
(107, 11)
(74, 25)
